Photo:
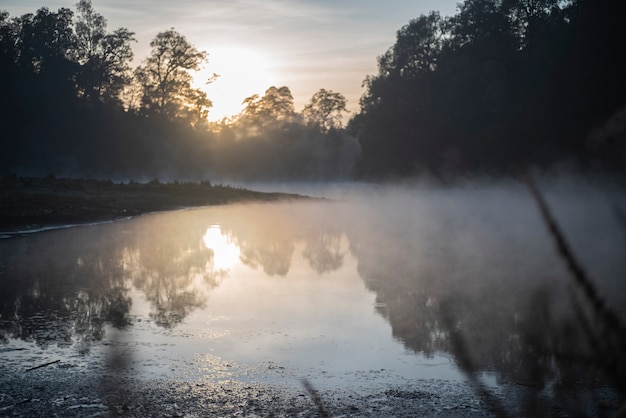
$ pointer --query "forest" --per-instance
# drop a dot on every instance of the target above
(500, 86)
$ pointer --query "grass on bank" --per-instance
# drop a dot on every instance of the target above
(28, 202)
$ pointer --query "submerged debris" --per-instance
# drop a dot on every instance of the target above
(43, 365)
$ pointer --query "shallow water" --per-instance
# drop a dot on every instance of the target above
(375, 286)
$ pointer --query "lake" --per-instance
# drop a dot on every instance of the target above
(374, 285)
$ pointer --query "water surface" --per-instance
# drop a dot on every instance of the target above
(377, 287)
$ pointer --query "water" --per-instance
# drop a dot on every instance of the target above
(375, 286)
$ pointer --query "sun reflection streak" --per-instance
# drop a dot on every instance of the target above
(226, 254)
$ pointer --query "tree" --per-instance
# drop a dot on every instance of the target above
(104, 58)
(90, 28)
(46, 41)
(324, 110)
(417, 48)
(165, 76)
(275, 105)
(9, 35)
(396, 124)
(196, 109)
(530, 18)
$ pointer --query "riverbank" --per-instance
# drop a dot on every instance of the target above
(67, 390)
(29, 203)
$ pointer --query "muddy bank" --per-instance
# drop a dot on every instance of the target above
(30, 203)
(63, 390)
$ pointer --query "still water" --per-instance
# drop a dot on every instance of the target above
(375, 286)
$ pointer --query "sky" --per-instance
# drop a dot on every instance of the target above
(305, 45)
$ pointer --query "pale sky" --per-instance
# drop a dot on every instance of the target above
(302, 44)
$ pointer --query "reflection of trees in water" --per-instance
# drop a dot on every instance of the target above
(498, 301)
(64, 285)
(273, 256)
(167, 260)
(540, 339)
(324, 252)
(406, 295)
(91, 313)
(172, 275)
(267, 236)
(61, 287)
(493, 295)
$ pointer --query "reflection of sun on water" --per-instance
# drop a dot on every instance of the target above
(225, 252)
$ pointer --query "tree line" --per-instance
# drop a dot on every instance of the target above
(71, 104)
(500, 85)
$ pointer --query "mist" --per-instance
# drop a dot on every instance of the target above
(421, 201)
(467, 271)
(474, 270)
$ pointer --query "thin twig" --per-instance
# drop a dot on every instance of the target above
(463, 359)
(576, 269)
(316, 398)
(614, 330)
(42, 365)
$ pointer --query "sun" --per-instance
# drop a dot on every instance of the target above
(242, 72)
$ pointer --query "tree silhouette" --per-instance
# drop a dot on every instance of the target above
(397, 105)
(90, 28)
(104, 58)
(71, 108)
(274, 106)
(46, 43)
(166, 80)
(324, 110)
(46, 39)
(499, 85)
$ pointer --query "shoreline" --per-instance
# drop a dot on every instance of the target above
(71, 390)
(31, 204)
(36, 228)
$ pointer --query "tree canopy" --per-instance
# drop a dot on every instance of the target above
(500, 85)
(274, 106)
(325, 110)
(104, 57)
(165, 78)
(74, 106)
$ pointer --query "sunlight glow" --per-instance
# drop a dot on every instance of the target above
(242, 72)
(225, 252)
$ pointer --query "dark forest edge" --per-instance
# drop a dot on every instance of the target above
(30, 203)
(500, 86)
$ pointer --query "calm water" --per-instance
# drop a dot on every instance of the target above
(377, 285)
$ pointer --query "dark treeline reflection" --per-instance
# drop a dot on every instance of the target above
(81, 278)
(498, 86)
(73, 281)
(472, 272)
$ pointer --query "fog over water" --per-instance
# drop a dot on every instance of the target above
(374, 284)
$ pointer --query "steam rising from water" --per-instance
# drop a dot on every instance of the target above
(287, 288)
